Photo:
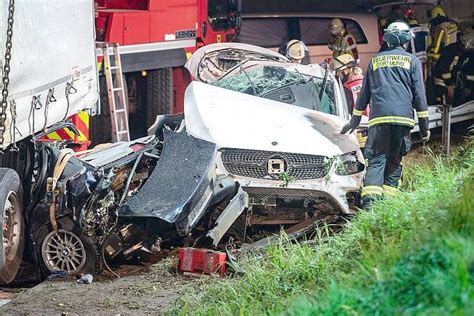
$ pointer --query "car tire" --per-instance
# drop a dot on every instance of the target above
(12, 223)
(159, 94)
(85, 253)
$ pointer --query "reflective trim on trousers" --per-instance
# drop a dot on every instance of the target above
(372, 190)
(390, 191)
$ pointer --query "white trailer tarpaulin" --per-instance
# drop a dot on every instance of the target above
(53, 54)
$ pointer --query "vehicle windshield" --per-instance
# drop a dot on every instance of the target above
(282, 85)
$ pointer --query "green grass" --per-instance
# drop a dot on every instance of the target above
(414, 254)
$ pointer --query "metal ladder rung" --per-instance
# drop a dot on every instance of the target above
(118, 106)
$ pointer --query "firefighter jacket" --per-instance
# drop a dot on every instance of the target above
(352, 88)
(444, 73)
(394, 87)
(344, 43)
(443, 35)
(455, 68)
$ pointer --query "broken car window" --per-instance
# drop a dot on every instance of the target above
(282, 85)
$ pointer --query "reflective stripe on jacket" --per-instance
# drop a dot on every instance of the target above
(344, 44)
(394, 87)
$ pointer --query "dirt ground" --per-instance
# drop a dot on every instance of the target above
(144, 290)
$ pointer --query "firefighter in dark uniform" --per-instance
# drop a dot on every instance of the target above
(445, 73)
(453, 75)
(443, 32)
(464, 91)
(394, 87)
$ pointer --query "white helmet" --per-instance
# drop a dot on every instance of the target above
(336, 26)
(296, 50)
(342, 62)
(397, 34)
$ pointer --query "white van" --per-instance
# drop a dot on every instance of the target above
(274, 30)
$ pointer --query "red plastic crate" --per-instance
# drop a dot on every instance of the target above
(202, 261)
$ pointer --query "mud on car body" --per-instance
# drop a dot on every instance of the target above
(276, 125)
(125, 202)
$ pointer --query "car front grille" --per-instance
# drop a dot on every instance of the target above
(253, 164)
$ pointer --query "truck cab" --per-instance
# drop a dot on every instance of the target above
(156, 38)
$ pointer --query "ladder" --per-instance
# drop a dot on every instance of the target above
(116, 92)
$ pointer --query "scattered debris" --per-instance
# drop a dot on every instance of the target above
(61, 274)
(85, 279)
(202, 261)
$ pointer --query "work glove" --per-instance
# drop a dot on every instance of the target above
(425, 135)
(352, 125)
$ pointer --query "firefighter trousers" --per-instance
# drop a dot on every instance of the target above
(385, 147)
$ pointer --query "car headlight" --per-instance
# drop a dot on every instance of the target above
(349, 164)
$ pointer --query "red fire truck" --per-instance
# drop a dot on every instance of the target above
(155, 37)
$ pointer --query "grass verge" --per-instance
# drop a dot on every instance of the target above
(414, 254)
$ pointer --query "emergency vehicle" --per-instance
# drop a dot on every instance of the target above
(153, 40)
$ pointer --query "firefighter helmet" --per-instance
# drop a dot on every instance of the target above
(296, 50)
(336, 26)
(342, 62)
(397, 34)
(410, 16)
(436, 11)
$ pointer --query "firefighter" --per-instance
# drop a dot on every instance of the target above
(465, 71)
(295, 50)
(341, 40)
(394, 86)
(443, 32)
(445, 73)
(351, 77)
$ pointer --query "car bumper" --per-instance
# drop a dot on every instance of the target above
(333, 188)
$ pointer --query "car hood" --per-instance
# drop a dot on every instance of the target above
(237, 120)
(211, 62)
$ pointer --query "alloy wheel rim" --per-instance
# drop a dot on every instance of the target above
(63, 251)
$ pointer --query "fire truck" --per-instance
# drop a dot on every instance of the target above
(150, 41)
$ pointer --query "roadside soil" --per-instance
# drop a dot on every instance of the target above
(141, 290)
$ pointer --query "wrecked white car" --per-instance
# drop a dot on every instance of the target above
(125, 201)
(276, 125)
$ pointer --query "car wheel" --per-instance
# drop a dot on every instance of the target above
(67, 251)
(12, 224)
(159, 93)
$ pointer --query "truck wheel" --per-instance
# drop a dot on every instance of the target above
(12, 223)
(159, 93)
(100, 127)
(67, 251)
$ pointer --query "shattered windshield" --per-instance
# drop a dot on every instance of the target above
(282, 85)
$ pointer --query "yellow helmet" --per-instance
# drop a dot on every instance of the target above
(342, 62)
(336, 26)
(437, 11)
(296, 50)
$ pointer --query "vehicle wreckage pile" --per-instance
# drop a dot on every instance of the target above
(124, 201)
(257, 150)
